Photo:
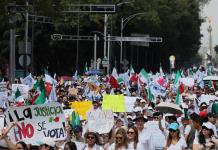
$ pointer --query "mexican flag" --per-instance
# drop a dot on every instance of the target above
(177, 78)
(179, 87)
(18, 98)
(40, 95)
(114, 79)
(143, 76)
(149, 94)
(189, 72)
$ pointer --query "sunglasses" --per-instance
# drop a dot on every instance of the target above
(90, 137)
(128, 132)
(119, 138)
(171, 130)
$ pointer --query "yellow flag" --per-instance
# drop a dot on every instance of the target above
(82, 108)
(114, 103)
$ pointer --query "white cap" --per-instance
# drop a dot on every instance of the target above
(142, 100)
(168, 114)
(207, 125)
(137, 109)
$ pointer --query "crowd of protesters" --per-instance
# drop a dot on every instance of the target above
(196, 128)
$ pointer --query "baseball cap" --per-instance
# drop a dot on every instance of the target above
(174, 126)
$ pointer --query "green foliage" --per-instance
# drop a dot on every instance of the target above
(177, 21)
(216, 49)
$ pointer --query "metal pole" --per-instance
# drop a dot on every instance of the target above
(121, 42)
(108, 54)
(26, 39)
(12, 54)
(105, 34)
(77, 42)
(95, 50)
(32, 49)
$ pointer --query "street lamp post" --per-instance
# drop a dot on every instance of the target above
(123, 24)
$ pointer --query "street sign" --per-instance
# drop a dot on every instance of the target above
(136, 39)
(21, 46)
(145, 44)
(21, 60)
(105, 62)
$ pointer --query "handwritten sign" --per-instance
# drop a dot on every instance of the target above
(36, 122)
(100, 121)
(24, 89)
(114, 103)
(129, 103)
(3, 90)
(82, 108)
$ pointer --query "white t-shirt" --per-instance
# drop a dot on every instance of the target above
(138, 147)
(79, 145)
(179, 145)
(196, 137)
(187, 129)
(95, 147)
(145, 137)
(112, 147)
(213, 128)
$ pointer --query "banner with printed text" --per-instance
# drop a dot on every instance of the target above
(37, 122)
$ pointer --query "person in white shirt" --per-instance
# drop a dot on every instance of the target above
(145, 136)
(212, 120)
(92, 141)
(174, 140)
(205, 138)
(121, 141)
(133, 141)
(186, 128)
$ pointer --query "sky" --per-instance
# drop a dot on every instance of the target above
(210, 10)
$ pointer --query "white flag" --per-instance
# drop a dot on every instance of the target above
(28, 80)
(50, 80)
(52, 96)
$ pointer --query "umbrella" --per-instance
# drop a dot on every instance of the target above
(166, 107)
(213, 78)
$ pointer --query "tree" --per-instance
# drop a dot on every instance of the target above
(177, 21)
(216, 49)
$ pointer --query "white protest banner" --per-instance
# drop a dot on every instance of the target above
(36, 122)
(3, 90)
(68, 113)
(188, 81)
(24, 89)
(100, 121)
(129, 103)
(207, 98)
